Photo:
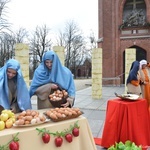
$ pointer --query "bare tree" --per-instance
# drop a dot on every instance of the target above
(4, 37)
(7, 42)
(60, 39)
(40, 42)
(93, 41)
(73, 41)
(3, 10)
(20, 35)
(78, 53)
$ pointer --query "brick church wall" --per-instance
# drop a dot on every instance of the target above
(113, 42)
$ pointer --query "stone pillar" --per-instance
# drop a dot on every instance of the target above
(60, 51)
(22, 55)
(97, 73)
(130, 56)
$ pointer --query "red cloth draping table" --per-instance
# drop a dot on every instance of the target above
(126, 120)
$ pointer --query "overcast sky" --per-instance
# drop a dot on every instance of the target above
(54, 13)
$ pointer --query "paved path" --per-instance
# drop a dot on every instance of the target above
(82, 83)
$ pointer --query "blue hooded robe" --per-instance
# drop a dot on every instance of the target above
(23, 97)
(59, 75)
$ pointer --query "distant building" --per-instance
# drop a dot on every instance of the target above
(83, 70)
(123, 24)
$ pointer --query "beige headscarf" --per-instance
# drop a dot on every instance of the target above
(143, 62)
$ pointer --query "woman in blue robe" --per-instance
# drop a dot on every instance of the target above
(14, 92)
(50, 74)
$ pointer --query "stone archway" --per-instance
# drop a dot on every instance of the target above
(140, 53)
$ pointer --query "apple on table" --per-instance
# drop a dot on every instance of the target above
(9, 123)
(4, 117)
(2, 125)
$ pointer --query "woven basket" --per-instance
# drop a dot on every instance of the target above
(58, 103)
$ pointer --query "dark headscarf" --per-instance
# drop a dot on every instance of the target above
(133, 71)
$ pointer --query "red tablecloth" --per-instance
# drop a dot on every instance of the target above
(126, 120)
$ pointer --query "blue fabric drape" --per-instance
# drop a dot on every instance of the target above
(23, 97)
(59, 75)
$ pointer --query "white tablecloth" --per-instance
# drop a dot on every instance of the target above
(30, 140)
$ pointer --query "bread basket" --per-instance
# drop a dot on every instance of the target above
(58, 97)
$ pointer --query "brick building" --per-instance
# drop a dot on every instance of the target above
(84, 70)
(123, 24)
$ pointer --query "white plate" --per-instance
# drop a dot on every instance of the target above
(129, 96)
(30, 125)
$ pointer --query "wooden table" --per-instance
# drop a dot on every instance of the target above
(30, 140)
(126, 120)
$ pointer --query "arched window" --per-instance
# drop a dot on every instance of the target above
(134, 13)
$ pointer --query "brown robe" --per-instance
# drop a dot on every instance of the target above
(43, 93)
(13, 96)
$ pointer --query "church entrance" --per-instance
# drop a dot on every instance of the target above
(140, 54)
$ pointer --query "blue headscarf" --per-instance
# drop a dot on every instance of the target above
(59, 75)
(133, 71)
(23, 98)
